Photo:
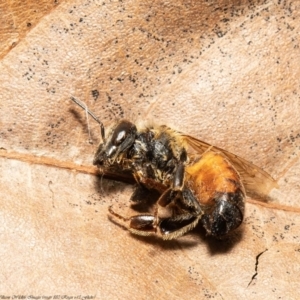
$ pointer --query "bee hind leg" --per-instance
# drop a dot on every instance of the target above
(142, 224)
(173, 228)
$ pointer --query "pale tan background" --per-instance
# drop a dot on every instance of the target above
(224, 71)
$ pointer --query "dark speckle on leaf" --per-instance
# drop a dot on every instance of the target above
(95, 94)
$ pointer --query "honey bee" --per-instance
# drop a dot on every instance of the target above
(195, 182)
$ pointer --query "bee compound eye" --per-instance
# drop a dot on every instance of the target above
(121, 132)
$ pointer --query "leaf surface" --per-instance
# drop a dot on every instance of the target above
(226, 72)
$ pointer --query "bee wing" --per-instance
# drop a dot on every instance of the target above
(257, 182)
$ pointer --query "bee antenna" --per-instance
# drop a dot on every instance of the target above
(83, 106)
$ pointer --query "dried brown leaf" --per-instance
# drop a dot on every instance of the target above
(226, 72)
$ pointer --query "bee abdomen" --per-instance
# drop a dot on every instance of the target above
(226, 214)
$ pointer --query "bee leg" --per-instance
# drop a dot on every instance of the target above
(144, 195)
(178, 180)
(186, 213)
(143, 224)
(182, 216)
(171, 194)
(173, 228)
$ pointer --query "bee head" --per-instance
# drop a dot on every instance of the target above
(120, 139)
